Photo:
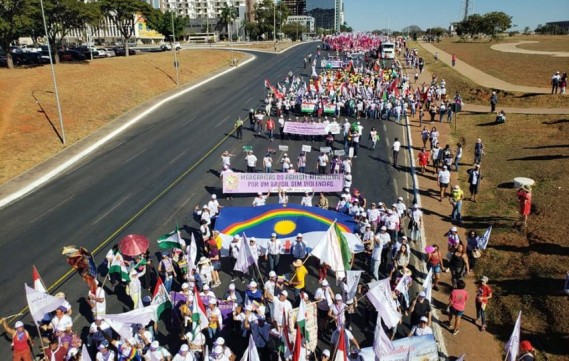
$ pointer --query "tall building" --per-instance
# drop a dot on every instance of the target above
(295, 7)
(201, 9)
(328, 14)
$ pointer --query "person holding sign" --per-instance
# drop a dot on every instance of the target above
(251, 162)
(322, 164)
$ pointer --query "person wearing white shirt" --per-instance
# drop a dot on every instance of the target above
(157, 353)
(347, 165)
(322, 163)
(61, 319)
(324, 297)
(401, 207)
(422, 329)
(282, 308)
(273, 254)
(213, 206)
(268, 163)
(286, 163)
(416, 217)
(307, 199)
(251, 161)
(104, 353)
(184, 354)
(395, 147)
(260, 199)
(381, 241)
(443, 180)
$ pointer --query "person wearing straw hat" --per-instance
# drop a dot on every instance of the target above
(524, 197)
(483, 294)
(22, 343)
(298, 278)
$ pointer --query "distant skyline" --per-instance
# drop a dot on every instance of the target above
(367, 15)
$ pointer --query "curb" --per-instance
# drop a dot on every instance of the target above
(31, 183)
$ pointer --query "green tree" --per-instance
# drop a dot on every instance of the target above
(227, 16)
(471, 26)
(552, 29)
(15, 17)
(496, 22)
(62, 17)
(162, 23)
(412, 29)
(344, 28)
(122, 15)
(294, 30)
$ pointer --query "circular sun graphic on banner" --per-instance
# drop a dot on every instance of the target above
(284, 227)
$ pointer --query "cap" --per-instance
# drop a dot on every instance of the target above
(297, 263)
(205, 287)
(284, 293)
(424, 319)
(400, 198)
(220, 341)
(338, 297)
(260, 193)
(299, 235)
(273, 234)
(213, 196)
(326, 353)
(456, 187)
(98, 318)
(272, 274)
(213, 301)
(218, 350)
(252, 284)
(444, 167)
(383, 228)
(154, 345)
(249, 307)
(525, 345)
(325, 283)
(415, 206)
(454, 229)
(19, 324)
(185, 286)
(484, 279)
(189, 337)
(184, 348)
(232, 286)
(422, 294)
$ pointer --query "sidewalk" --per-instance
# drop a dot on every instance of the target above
(470, 341)
(480, 77)
(475, 108)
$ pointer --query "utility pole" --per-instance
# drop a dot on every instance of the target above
(175, 49)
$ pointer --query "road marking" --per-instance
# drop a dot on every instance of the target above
(134, 156)
(118, 203)
(189, 121)
(178, 156)
(71, 196)
(221, 122)
(95, 146)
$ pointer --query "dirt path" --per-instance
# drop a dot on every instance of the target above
(479, 76)
(471, 341)
(513, 48)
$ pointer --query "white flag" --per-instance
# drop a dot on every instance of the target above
(381, 342)
(192, 253)
(352, 280)
(329, 251)
(124, 330)
(427, 285)
(513, 344)
(380, 296)
(41, 303)
(251, 353)
(403, 287)
(84, 353)
(245, 258)
(141, 316)
(483, 241)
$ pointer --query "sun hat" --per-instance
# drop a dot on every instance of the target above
(297, 263)
(526, 188)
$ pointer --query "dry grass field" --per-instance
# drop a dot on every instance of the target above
(92, 94)
(522, 69)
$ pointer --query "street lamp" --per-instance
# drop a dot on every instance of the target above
(175, 49)
(56, 91)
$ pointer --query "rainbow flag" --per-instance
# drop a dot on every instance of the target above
(286, 222)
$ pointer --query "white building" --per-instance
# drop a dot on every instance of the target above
(307, 21)
(200, 9)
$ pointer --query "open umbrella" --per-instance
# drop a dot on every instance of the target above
(133, 245)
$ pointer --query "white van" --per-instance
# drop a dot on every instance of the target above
(387, 50)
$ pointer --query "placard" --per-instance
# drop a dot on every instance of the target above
(290, 182)
(339, 152)
(307, 148)
(325, 150)
(247, 148)
(283, 148)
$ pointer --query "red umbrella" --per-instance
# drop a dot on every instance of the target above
(133, 245)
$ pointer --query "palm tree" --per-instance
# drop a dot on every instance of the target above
(227, 16)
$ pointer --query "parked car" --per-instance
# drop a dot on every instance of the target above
(102, 53)
(71, 55)
(165, 47)
(3, 61)
(27, 58)
(121, 51)
(110, 52)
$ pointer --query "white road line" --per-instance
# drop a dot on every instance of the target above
(95, 146)
(178, 156)
(59, 204)
(118, 203)
(132, 157)
(221, 122)
(189, 120)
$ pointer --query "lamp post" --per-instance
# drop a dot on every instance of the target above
(56, 91)
(175, 49)
(275, 23)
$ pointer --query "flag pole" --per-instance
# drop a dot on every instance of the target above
(336, 347)
(41, 339)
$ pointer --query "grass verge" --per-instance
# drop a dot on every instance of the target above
(92, 94)
(475, 94)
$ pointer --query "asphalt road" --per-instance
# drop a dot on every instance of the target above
(120, 189)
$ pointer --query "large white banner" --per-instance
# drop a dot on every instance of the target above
(418, 348)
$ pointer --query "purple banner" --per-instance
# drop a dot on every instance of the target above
(290, 182)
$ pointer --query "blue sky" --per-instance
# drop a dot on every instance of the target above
(376, 14)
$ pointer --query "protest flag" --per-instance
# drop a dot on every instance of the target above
(341, 352)
(380, 296)
(513, 344)
(41, 303)
(333, 250)
(38, 282)
(192, 253)
(267, 84)
(381, 342)
(427, 285)
(483, 241)
(199, 316)
(245, 258)
(299, 353)
(301, 319)
(352, 281)
(118, 268)
(171, 240)
(140, 316)
(251, 353)
(85, 353)
(160, 298)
